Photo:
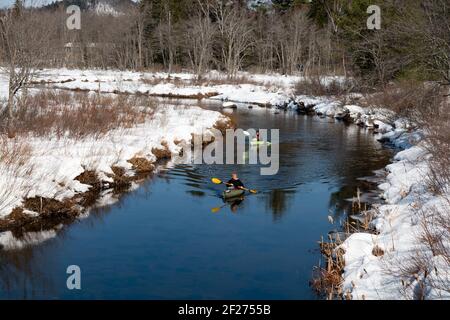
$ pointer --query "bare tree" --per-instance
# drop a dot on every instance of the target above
(199, 38)
(436, 36)
(291, 41)
(167, 37)
(235, 34)
(333, 9)
(23, 47)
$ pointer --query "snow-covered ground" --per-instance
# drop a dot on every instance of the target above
(265, 89)
(47, 166)
(398, 222)
(55, 162)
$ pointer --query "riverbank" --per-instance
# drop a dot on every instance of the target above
(379, 262)
(402, 250)
(51, 177)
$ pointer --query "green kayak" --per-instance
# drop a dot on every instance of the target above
(255, 142)
(231, 193)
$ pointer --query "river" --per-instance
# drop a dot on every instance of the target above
(162, 241)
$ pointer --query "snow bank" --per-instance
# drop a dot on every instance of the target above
(405, 189)
(263, 89)
(52, 164)
(399, 223)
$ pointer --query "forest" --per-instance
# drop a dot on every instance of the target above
(289, 36)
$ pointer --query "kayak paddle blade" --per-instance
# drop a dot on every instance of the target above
(216, 181)
(215, 210)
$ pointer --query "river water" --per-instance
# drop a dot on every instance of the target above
(162, 241)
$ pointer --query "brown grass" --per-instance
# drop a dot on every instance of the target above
(377, 251)
(141, 165)
(51, 214)
(198, 96)
(222, 126)
(76, 115)
(327, 280)
(47, 207)
(122, 181)
(91, 178)
(162, 153)
(315, 87)
(215, 81)
(14, 152)
(202, 81)
(160, 80)
(404, 97)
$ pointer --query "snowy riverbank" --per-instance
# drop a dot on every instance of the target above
(388, 261)
(49, 168)
(396, 225)
(262, 89)
(384, 264)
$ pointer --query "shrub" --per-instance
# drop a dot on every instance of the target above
(315, 86)
(58, 113)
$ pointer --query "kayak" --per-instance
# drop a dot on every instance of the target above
(231, 193)
(255, 142)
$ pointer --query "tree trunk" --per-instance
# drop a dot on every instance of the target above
(10, 105)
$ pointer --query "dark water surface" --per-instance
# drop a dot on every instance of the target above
(163, 242)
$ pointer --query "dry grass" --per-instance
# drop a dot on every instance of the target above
(51, 214)
(438, 135)
(215, 81)
(404, 98)
(47, 207)
(90, 177)
(427, 106)
(170, 79)
(314, 86)
(14, 152)
(162, 153)
(122, 181)
(14, 169)
(202, 81)
(141, 165)
(327, 280)
(377, 251)
(62, 114)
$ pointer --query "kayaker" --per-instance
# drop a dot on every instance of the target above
(235, 182)
(257, 135)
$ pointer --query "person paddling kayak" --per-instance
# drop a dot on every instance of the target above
(235, 182)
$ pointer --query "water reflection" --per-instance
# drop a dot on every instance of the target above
(235, 203)
(278, 202)
(20, 274)
(162, 241)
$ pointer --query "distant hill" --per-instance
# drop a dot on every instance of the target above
(101, 7)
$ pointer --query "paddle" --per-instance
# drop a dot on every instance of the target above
(217, 209)
(218, 181)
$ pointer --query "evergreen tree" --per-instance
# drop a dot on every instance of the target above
(285, 5)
